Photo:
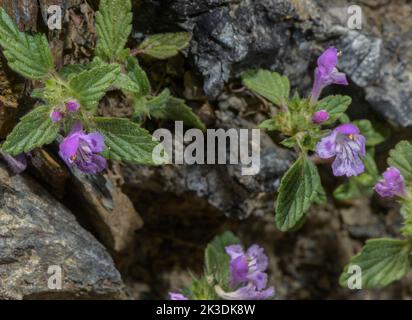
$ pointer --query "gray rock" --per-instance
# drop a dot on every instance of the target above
(37, 232)
(223, 186)
(110, 211)
(286, 36)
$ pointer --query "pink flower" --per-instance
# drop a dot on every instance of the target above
(81, 149)
(326, 73)
(347, 145)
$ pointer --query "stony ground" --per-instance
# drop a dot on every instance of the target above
(134, 232)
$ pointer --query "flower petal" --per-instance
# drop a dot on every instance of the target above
(68, 147)
(326, 147)
(328, 59)
(346, 166)
(96, 141)
(338, 77)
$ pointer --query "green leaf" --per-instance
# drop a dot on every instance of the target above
(200, 289)
(34, 130)
(125, 83)
(269, 124)
(138, 75)
(28, 55)
(382, 261)
(70, 70)
(271, 85)
(401, 157)
(406, 211)
(126, 141)
(216, 258)
(113, 26)
(165, 106)
(372, 136)
(347, 191)
(335, 105)
(298, 189)
(165, 45)
(90, 86)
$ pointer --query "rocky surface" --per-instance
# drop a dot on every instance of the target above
(36, 232)
(183, 207)
(286, 36)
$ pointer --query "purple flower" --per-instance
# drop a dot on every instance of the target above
(248, 278)
(82, 150)
(320, 116)
(72, 106)
(247, 292)
(177, 296)
(56, 115)
(249, 266)
(16, 164)
(392, 184)
(347, 145)
(326, 73)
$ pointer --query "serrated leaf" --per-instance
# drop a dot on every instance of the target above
(335, 105)
(71, 70)
(372, 136)
(113, 26)
(28, 55)
(124, 83)
(216, 258)
(382, 261)
(165, 45)
(270, 85)
(168, 107)
(34, 130)
(401, 157)
(90, 86)
(138, 75)
(298, 189)
(126, 141)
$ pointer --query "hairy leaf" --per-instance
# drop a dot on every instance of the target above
(381, 261)
(165, 45)
(270, 85)
(298, 189)
(126, 141)
(335, 106)
(165, 106)
(34, 130)
(28, 55)
(90, 86)
(113, 26)
(138, 75)
(216, 258)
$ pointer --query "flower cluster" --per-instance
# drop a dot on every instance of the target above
(57, 113)
(345, 142)
(248, 279)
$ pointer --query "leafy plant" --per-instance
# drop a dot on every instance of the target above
(71, 96)
(303, 123)
(224, 266)
(383, 261)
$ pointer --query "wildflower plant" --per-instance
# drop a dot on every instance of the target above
(385, 260)
(306, 125)
(230, 273)
(70, 96)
